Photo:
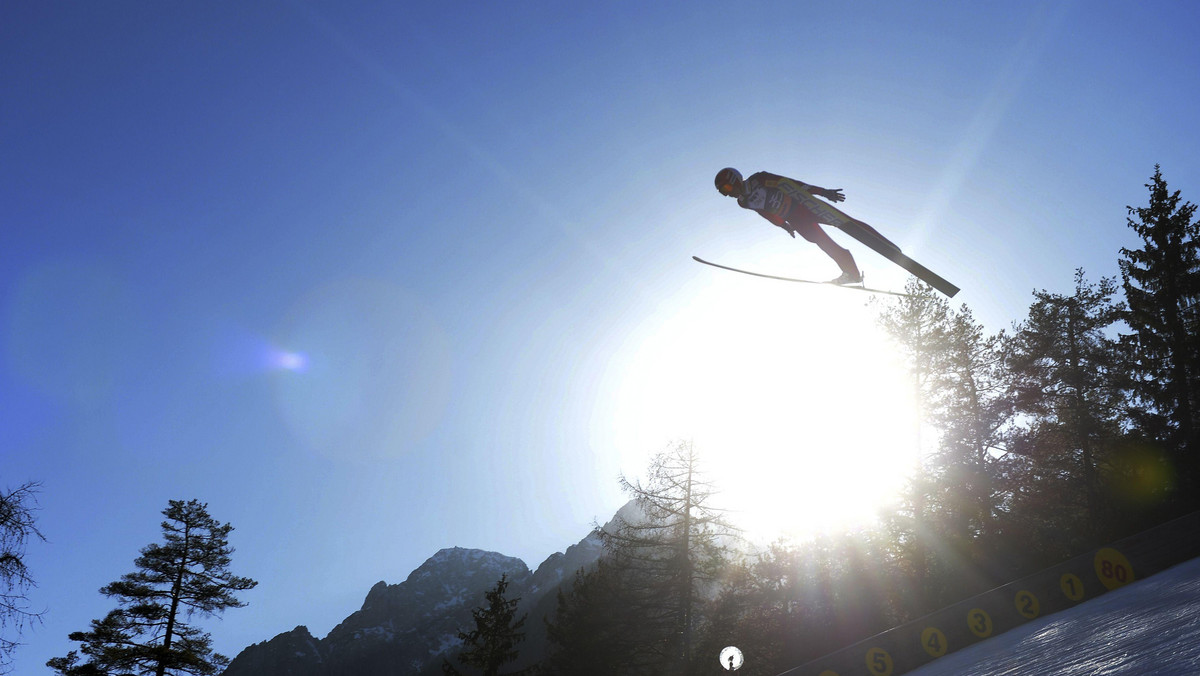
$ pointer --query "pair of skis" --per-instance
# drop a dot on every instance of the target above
(853, 287)
(860, 231)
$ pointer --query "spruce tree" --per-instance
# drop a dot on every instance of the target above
(951, 510)
(150, 633)
(493, 642)
(594, 628)
(1162, 290)
(919, 325)
(1068, 379)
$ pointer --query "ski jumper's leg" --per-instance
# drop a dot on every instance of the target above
(874, 233)
(812, 232)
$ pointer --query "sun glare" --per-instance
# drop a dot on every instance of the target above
(800, 409)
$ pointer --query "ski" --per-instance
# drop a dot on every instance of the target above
(852, 287)
(864, 233)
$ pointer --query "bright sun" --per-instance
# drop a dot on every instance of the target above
(799, 406)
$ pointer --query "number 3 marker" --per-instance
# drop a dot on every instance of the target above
(979, 622)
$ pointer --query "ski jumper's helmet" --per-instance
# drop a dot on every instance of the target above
(729, 181)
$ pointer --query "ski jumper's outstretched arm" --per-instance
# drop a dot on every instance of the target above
(833, 195)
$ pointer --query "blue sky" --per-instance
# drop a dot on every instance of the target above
(378, 278)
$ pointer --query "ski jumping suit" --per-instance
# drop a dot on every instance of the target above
(762, 194)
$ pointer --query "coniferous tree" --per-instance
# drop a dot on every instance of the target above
(794, 603)
(1162, 289)
(493, 642)
(150, 632)
(919, 324)
(970, 408)
(672, 557)
(17, 526)
(591, 632)
(772, 608)
(1069, 381)
(660, 567)
(951, 511)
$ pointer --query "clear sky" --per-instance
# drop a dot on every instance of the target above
(377, 278)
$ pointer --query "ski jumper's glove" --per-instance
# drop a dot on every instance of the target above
(834, 195)
(781, 222)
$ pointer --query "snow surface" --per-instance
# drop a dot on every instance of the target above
(1149, 627)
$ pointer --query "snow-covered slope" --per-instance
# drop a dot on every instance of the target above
(1149, 627)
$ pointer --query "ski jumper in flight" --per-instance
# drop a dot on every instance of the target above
(764, 192)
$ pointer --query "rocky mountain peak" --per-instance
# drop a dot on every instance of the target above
(406, 628)
(460, 562)
(376, 595)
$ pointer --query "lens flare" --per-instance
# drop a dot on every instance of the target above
(376, 367)
(289, 361)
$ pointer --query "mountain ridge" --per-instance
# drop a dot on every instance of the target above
(409, 627)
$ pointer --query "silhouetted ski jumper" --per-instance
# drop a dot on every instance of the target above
(761, 193)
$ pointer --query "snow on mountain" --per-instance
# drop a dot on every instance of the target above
(1149, 627)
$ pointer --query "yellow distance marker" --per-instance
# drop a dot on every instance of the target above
(934, 641)
(979, 622)
(1113, 569)
(1027, 604)
(1071, 586)
(879, 662)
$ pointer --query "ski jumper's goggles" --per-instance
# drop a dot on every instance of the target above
(728, 180)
